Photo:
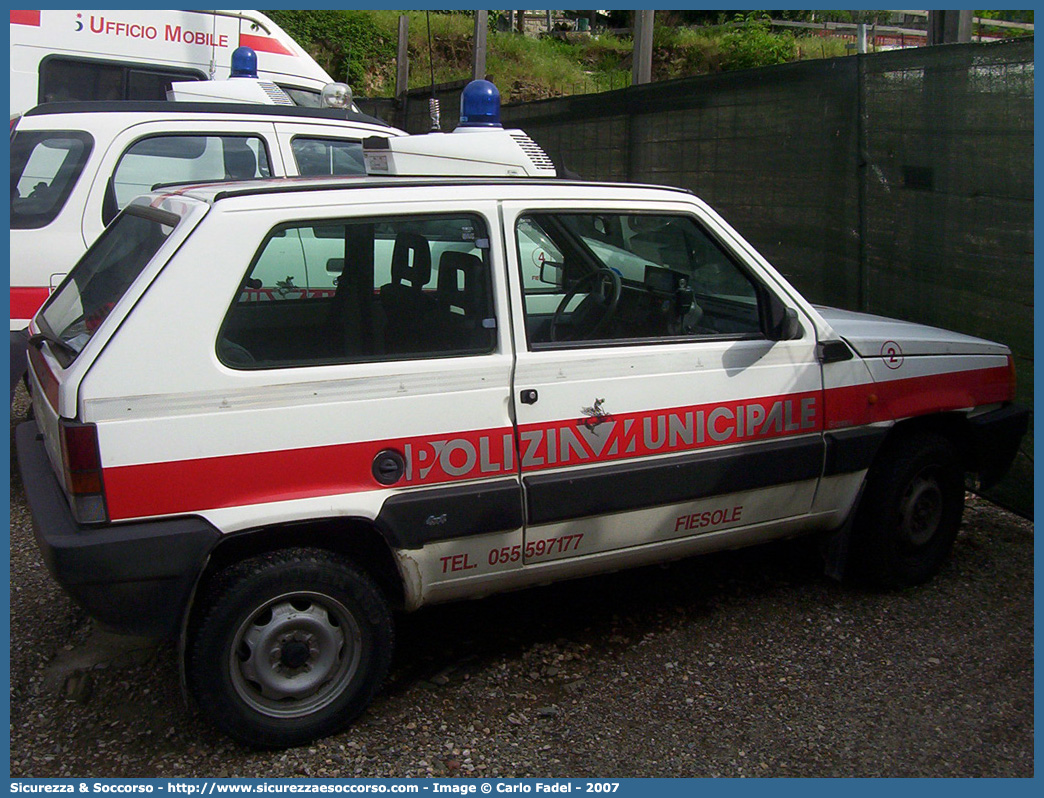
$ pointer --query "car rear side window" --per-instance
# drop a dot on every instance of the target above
(354, 290)
(160, 160)
(102, 276)
(328, 156)
(45, 166)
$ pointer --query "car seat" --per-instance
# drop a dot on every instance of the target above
(462, 303)
(408, 310)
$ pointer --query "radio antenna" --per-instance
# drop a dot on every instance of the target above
(213, 46)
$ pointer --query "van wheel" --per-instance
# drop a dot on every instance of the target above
(289, 646)
(910, 511)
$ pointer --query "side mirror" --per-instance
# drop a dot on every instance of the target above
(552, 273)
(781, 323)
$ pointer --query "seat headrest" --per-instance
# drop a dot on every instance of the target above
(419, 271)
(240, 161)
(461, 281)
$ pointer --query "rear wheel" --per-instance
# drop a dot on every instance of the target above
(910, 511)
(288, 646)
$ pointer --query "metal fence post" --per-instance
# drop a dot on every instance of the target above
(402, 67)
(478, 56)
(862, 172)
(643, 38)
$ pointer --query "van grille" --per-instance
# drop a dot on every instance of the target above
(533, 151)
(275, 94)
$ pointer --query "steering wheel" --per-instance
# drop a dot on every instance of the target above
(603, 289)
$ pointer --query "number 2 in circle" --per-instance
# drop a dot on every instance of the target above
(892, 354)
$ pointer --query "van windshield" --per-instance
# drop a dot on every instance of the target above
(101, 277)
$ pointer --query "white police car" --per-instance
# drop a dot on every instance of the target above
(75, 165)
(267, 414)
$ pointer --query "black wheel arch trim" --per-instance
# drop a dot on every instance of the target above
(850, 450)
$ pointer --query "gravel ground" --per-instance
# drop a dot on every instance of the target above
(744, 663)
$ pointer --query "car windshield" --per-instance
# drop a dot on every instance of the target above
(102, 276)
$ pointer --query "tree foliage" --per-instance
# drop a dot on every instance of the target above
(344, 43)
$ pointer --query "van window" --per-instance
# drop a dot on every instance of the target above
(70, 79)
(306, 98)
(346, 291)
(44, 168)
(102, 276)
(328, 156)
(160, 160)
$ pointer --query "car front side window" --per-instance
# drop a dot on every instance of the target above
(629, 277)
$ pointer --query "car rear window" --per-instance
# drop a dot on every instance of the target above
(45, 166)
(102, 276)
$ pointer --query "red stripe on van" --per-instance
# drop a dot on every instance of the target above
(264, 44)
(25, 18)
(25, 301)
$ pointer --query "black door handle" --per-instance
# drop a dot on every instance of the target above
(528, 396)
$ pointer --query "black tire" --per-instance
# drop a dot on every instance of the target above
(324, 631)
(910, 511)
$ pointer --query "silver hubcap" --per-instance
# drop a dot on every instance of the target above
(295, 654)
(921, 510)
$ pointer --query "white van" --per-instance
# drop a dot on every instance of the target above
(70, 54)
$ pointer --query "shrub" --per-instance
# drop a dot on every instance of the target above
(347, 44)
(750, 43)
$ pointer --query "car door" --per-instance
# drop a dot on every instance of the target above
(408, 352)
(665, 412)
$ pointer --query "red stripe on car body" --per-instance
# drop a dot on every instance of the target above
(894, 400)
(186, 486)
(26, 300)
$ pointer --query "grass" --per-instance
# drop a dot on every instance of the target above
(362, 44)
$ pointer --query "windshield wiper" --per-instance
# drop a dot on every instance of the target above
(57, 343)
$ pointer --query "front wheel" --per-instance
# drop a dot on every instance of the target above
(288, 647)
(910, 511)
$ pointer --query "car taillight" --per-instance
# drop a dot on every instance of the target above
(14, 121)
(81, 461)
(1011, 378)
